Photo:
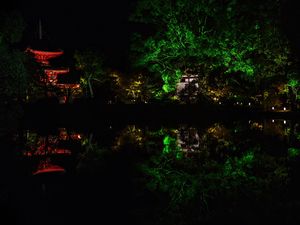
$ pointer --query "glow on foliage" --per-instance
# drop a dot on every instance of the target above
(293, 152)
(171, 147)
(130, 135)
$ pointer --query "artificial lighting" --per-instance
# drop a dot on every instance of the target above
(249, 103)
(284, 121)
(220, 103)
(272, 107)
(272, 121)
(284, 108)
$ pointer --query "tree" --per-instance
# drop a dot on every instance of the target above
(91, 64)
(13, 72)
(189, 39)
(238, 40)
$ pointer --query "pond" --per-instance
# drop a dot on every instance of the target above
(221, 172)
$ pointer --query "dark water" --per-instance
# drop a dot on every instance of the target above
(229, 172)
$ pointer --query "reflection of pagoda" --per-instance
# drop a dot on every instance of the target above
(43, 54)
(49, 150)
(45, 166)
(188, 140)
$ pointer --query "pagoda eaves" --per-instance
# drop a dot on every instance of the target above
(44, 56)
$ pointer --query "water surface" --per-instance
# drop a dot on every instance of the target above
(226, 172)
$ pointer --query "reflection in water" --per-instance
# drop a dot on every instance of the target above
(44, 149)
(130, 135)
(234, 172)
(188, 139)
(45, 166)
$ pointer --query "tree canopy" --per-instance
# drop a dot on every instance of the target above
(91, 64)
(238, 39)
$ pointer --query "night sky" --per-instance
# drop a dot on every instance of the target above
(69, 25)
(103, 25)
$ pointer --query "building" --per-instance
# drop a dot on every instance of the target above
(187, 87)
(54, 76)
(64, 91)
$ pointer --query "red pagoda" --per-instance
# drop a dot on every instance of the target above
(43, 55)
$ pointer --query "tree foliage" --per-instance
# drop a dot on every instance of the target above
(91, 64)
(13, 72)
(240, 40)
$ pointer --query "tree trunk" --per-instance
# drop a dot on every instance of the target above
(293, 98)
(90, 88)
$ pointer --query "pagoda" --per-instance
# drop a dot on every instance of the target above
(43, 54)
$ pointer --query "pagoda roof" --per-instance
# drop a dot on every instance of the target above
(50, 169)
(42, 56)
(46, 53)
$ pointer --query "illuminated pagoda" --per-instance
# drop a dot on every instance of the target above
(44, 55)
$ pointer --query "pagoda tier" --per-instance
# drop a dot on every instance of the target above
(48, 168)
(52, 74)
(44, 56)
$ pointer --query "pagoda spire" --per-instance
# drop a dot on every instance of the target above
(40, 29)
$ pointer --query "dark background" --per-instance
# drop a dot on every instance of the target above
(103, 25)
(99, 25)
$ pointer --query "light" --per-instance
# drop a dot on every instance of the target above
(249, 121)
(237, 103)
(273, 121)
(284, 121)
(272, 107)
(284, 108)
(220, 103)
(249, 103)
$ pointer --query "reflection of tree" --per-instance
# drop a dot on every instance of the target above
(131, 135)
(92, 155)
(213, 183)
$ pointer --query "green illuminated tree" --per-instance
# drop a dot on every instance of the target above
(190, 39)
(91, 64)
(228, 44)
